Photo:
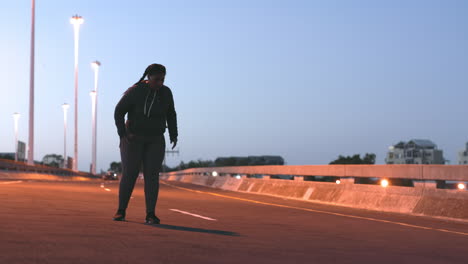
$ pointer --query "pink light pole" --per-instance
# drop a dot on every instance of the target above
(31, 89)
(93, 95)
(76, 21)
(95, 65)
(65, 110)
(16, 117)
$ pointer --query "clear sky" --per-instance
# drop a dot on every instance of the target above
(307, 80)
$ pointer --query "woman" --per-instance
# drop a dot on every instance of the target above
(149, 105)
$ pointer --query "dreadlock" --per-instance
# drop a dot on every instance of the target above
(151, 70)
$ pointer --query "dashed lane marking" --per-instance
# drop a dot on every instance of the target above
(195, 215)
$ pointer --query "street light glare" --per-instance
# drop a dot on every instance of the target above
(384, 183)
(461, 186)
(76, 20)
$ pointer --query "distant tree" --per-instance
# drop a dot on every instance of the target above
(242, 161)
(182, 166)
(191, 164)
(228, 161)
(200, 163)
(369, 158)
(249, 161)
(52, 160)
(8, 156)
(116, 166)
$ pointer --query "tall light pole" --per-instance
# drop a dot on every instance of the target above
(93, 113)
(76, 21)
(95, 65)
(65, 109)
(16, 117)
(31, 89)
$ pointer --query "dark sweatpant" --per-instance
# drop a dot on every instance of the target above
(146, 152)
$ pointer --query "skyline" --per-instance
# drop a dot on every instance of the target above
(306, 81)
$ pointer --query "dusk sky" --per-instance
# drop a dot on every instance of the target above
(307, 80)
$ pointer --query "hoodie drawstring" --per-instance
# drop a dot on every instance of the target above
(151, 105)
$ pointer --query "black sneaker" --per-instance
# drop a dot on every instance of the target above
(152, 219)
(119, 216)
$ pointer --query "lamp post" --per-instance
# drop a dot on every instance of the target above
(76, 21)
(31, 89)
(16, 117)
(93, 113)
(65, 109)
(95, 65)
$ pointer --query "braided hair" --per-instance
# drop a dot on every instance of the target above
(151, 70)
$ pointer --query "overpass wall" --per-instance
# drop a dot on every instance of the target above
(22, 171)
(11, 175)
(422, 199)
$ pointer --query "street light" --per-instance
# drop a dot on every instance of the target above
(384, 183)
(93, 95)
(31, 88)
(65, 109)
(95, 65)
(16, 117)
(76, 21)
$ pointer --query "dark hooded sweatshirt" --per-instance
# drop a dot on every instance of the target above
(148, 111)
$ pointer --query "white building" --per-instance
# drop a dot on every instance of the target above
(463, 156)
(415, 151)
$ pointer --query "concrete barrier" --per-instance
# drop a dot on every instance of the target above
(12, 175)
(422, 199)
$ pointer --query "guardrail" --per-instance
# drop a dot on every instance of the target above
(18, 166)
(433, 190)
(413, 172)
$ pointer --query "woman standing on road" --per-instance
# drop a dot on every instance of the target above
(149, 105)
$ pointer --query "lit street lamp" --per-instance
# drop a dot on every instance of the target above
(76, 21)
(93, 95)
(16, 117)
(95, 65)
(65, 109)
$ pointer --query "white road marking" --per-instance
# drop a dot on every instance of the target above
(319, 211)
(107, 189)
(10, 182)
(195, 215)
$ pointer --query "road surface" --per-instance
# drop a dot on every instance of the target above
(71, 222)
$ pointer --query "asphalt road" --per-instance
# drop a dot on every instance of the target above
(71, 222)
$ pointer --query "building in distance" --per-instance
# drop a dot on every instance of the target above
(415, 151)
(463, 156)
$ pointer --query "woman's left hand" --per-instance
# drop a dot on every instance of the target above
(174, 143)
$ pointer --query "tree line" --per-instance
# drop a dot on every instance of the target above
(55, 160)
